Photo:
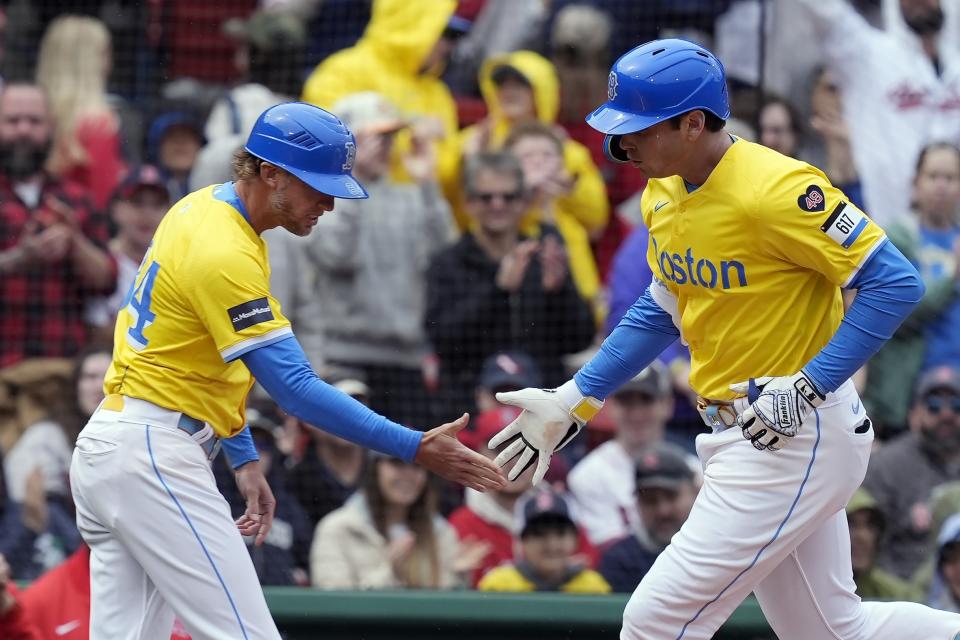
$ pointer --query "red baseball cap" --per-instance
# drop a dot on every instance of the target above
(145, 176)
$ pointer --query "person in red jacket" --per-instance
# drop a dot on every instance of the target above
(14, 624)
(57, 604)
(490, 517)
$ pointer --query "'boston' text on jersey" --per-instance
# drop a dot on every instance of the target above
(698, 271)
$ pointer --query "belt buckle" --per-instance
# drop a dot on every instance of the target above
(713, 414)
(709, 413)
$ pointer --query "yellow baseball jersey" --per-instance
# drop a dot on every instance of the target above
(755, 258)
(200, 300)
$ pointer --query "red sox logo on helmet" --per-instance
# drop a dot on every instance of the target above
(351, 156)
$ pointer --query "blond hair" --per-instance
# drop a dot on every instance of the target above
(245, 165)
(70, 70)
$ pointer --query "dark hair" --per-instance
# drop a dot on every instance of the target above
(68, 414)
(499, 162)
(792, 113)
(533, 129)
(506, 73)
(935, 146)
(544, 524)
(712, 122)
(949, 552)
(419, 519)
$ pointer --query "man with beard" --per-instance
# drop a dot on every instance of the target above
(665, 490)
(52, 262)
(52, 254)
(903, 474)
(901, 90)
(198, 325)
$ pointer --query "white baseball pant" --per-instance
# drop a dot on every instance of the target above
(162, 539)
(774, 523)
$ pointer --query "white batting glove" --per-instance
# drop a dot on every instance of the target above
(549, 420)
(777, 407)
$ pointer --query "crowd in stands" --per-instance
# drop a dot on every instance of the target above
(497, 248)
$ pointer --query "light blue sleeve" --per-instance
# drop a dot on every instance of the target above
(283, 370)
(240, 449)
(644, 332)
(888, 288)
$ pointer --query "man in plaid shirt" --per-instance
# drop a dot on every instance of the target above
(52, 257)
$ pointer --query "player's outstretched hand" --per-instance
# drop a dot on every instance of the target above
(258, 518)
(777, 407)
(549, 420)
(442, 452)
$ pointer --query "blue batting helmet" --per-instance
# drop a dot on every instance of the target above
(312, 144)
(657, 81)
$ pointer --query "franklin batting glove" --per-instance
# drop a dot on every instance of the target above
(777, 407)
(549, 420)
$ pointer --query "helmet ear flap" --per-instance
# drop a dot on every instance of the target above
(611, 149)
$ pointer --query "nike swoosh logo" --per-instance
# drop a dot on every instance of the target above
(66, 627)
(856, 407)
(659, 205)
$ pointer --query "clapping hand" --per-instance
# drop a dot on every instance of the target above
(514, 265)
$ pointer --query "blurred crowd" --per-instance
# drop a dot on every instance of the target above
(497, 248)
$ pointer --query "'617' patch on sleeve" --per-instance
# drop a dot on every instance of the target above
(845, 224)
(250, 313)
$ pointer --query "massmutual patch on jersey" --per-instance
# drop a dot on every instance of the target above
(812, 200)
(845, 224)
(250, 313)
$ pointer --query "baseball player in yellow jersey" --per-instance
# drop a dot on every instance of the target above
(749, 251)
(198, 325)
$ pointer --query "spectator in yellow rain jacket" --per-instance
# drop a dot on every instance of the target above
(400, 55)
(539, 149)
(522, 87)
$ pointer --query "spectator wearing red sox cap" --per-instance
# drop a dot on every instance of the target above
(548, 558)
(136, 208)
(505, 371)
(666, 487)
(602, 484)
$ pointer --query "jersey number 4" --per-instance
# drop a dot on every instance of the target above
(138, 305)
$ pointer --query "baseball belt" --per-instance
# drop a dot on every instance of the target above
(198, 430)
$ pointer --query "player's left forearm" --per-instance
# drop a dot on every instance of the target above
(95, 267)
(889, 287)
(643, 333)
(283, 370)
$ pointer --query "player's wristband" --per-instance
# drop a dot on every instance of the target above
(240, 449)
(581, 408)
